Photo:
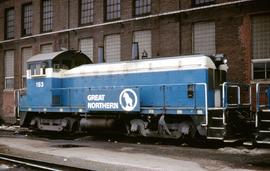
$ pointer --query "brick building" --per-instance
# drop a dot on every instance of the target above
(238, 28)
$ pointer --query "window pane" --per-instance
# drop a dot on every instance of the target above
(259, 70)
(10, 23)
(27, 20)
(112, 9)
(26, 54)
(48, 48)
(9, 63)
(261, 36)
(202, 2)
(86, 46)
(112, 48)
(204, 41)
(268, 70)
(142, 7)
(9, 69)
(47, 15)
(144, 39)
(87, 11)
(9, 83)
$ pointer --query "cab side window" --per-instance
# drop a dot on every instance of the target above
(39, 68)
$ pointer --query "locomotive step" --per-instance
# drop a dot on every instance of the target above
(216, 133)
(263, 142)
(264, 115)
(217, 118)
(265, 120)
(221, 128)
(264, 131)
(215, 138)
(215, 122)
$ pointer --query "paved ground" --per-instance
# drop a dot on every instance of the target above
(100, 155)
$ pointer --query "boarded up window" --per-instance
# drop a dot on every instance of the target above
(261, 37)
(261, 46)
(112, 48)
(26, 54)
(204, 41)
(47, 48)
(86, 46)
(144, 40)
(9, 69)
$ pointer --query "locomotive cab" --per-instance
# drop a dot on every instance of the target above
(43, 75)
(43, 65)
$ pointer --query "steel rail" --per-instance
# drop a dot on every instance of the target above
(37, 164)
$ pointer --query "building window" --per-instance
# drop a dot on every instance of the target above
(47, 16)
(26, 54)
(261, 46)
(86, 11)
(27, 19)
(112, 8)
(204, 38)
(9, 69)
(112, 46)
(46, 48)
(86, 47)
(142, 7)
(144, 39)
(9, 23)
(202, 2)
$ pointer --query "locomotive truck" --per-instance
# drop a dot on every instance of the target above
(170, 97)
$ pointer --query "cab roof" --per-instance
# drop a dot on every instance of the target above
(53, 55)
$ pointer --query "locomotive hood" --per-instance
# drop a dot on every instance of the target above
(157, 64)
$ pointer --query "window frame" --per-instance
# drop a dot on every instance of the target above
(106, 14)
(259, 61)
(23, 19)
(6, 25)
(194, 4)
(80, 14)
(142, 14)
(9, 77)
(46, 44)
(193, 36)
(106, 52)
(255, 59)
(23, 74)
(79, 46)
(42, 17)
(149, 56)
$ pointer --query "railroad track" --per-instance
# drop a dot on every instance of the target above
(36, 164)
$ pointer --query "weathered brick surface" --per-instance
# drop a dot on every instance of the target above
(171, 35)
(8, 108)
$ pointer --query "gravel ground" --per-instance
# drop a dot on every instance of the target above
(110, 154)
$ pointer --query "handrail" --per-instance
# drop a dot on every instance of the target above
(225, 103)
(258, 106)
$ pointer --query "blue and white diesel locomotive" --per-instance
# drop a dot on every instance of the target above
(173, 97)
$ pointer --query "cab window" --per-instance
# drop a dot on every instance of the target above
(38, 68)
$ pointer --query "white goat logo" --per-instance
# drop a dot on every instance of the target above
(128, 99)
